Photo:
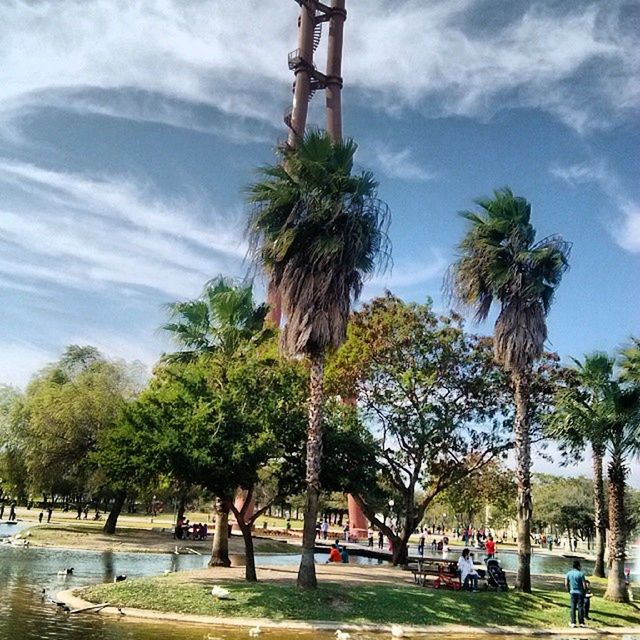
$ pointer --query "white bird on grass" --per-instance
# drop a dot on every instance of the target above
(255, 632)
(342, 635)
(397, 631)
(221, 593)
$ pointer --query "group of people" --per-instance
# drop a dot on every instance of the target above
(191, 531)
(12, 511)
(338, 553)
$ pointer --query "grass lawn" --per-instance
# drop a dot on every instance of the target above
(376, 603)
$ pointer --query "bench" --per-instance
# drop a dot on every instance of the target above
(444, 571)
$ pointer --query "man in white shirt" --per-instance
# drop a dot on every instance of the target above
(468, 574)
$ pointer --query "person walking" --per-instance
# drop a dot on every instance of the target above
(12, 512)
(40, 516)
(421, 543)
(325, 529)
(380, 540)
(576, 584)
(49, 514)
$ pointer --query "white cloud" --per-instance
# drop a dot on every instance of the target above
(408, 273)
(19, 360)
(155, 59)
(90, 232)
(399, 163)
(625, 230)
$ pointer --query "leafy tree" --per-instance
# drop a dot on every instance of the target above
(577, 423)
(490, 486)
(317, 229)
(610, 409)
(631, 362)
(501, 261)
(64, 410)
(219, 324)
(565, 505)
(12, 468)
(434, 400)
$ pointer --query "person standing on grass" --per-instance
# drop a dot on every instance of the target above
(576, 584)
(490, 547)
(380, 540)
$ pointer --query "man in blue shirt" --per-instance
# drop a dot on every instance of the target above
(577, 587)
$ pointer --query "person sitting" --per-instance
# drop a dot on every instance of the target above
(334, 554)
(468, 573)
(344, 555)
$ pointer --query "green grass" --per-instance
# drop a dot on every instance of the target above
(378, 603)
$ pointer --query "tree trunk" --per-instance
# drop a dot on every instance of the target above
(250, 558)
(616, 588)
(598, 509)
(220, 547)
(112, 520)
(307, 571)
(523, 480)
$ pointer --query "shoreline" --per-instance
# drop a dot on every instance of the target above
(150, 615)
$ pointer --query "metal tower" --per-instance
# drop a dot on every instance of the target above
(308, 79)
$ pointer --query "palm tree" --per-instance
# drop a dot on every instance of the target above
(622, 402)
(579, 419)
(500, 261)
(317, 230)
(631, 362)
(218, 324)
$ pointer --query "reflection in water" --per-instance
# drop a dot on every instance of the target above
(26, 615)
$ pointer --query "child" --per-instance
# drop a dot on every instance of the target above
(587, 599)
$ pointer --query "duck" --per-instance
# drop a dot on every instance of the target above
(66, 572)
(342, 635)
(221, 593)
(397, 631)
(255, 632)
(121, 578)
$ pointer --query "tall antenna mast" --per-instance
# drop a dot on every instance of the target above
(308, 79)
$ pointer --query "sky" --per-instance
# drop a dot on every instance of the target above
(129, 130)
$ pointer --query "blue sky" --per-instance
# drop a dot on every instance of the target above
(129, 129)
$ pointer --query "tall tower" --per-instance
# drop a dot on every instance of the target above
(308, 80)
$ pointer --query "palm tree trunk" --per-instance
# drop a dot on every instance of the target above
(598, 509)
(523, 480)
(616, 588)
(307, 571)
(112, 520)
(220, 547)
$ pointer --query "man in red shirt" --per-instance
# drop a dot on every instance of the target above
(490, 546)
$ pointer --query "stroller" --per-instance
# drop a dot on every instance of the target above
(496, 579)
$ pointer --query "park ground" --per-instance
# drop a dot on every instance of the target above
(353, 594)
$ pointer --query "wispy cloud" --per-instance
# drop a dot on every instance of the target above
(19, 360)
(157, 59)
(626, 230)
(400, 164)
(407, 274)
(89, 232)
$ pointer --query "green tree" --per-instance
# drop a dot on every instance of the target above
(435, 402)
(64, 410)
(631, 362)
(491, 487)
(317, 229)
(501, 261)
(219, 325)
(13, 472)
(564, 505)
(604, 408)
(578, 422)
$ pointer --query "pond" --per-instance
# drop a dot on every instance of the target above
(26, 615)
